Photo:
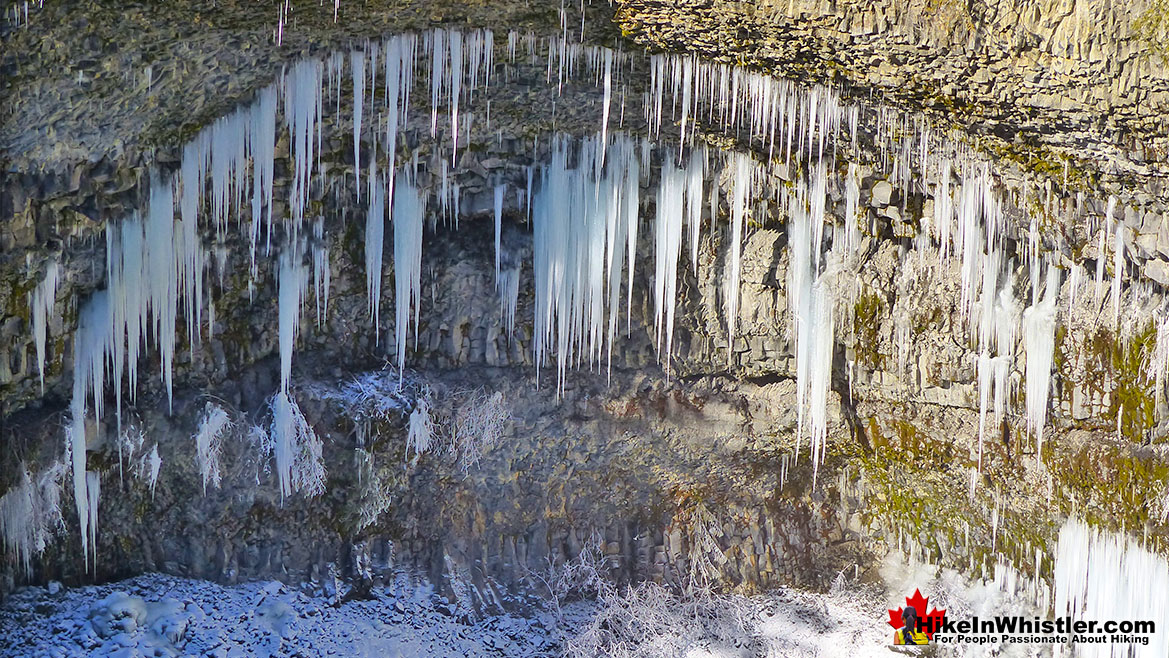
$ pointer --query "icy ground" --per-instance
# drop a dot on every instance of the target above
(158, 615)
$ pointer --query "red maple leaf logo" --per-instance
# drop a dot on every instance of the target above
(928, 622)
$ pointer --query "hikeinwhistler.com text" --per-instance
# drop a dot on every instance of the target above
(1062, 630)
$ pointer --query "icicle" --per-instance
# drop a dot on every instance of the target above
(375, 227)
(30, 514)
(616, 228)
(1158, 364)
(852, 217)
(1117, 269)
(399, 69)
(667, 244)
(293, 279)
(580, 218)
(1103, 231)
(93, 492)
(986, 315)
(321, 272)
(1105, 575)
(1005, 324)
(407, 216)
(528, 191)
(509, 293)
(608, 95)
(1073, 287)
(456, 81)
(695, 177)
(90, 345)
(817, 336)
(302, 101)
(498, 207)
(153, 465)
(125, 256)
(162, 274)
(44, 297)
(263, 149)
(985, 372)
(297, 449)
(943, 210)
(357, 67)
(818, 200)
(1039, 343)
(740, 194)
(632, 214)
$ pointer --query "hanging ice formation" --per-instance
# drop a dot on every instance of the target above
(408, 216)
(302, 109)
(90, 344)
(815, 348)
(261, 139)
(292, 281)
(357, 67)
(811, 312)
(583, 202)
(30, 514)
(997, 323)
(509, 294)
(296, 447)
(668, 222)
(743, 170)
(497, 206)
(41, 303)
(1039, 343)
(1104, 575)
(583, 222)
(322, 273)
(375, 227)
(852, 219)
(1117, 262)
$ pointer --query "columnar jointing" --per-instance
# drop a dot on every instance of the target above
(585, 204)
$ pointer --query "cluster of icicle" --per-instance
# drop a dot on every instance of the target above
(584, 204)
(156, 261)
(1103, 576)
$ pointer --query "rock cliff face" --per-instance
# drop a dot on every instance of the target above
(1085, 79)
(685, 466)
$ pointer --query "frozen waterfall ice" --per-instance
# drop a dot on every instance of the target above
(1103, 575)
(1039, 344)
(585, 196)
(408, 216)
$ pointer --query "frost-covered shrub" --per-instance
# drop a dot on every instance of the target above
(261, 443)
(650, 620)
(130, 442)
(705, 556)
(580, 577)
(300, 464)
(478, 425)
(30, 514)
(213, 426)
(420, 430)
(373, 490)
(148, 468)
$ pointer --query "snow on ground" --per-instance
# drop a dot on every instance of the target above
(157, 615)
